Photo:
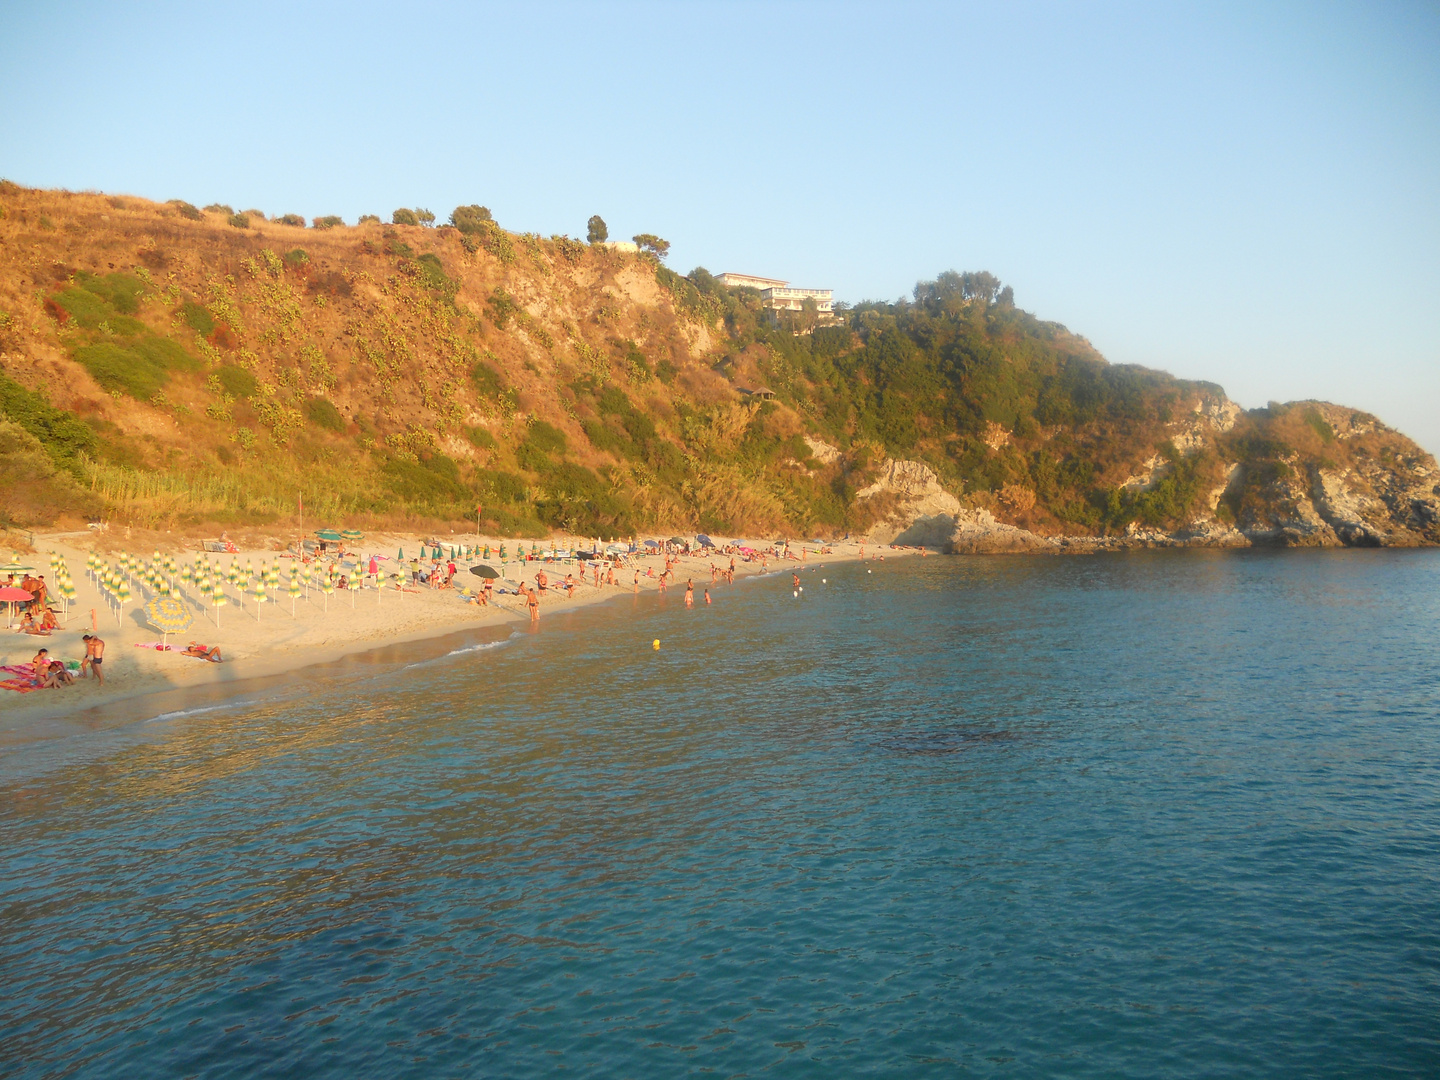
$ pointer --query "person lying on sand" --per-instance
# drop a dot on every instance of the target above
(55, 676)
(204, 652)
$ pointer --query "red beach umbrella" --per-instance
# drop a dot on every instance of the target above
(12, 595)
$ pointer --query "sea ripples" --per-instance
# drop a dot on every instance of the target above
(1140, 816)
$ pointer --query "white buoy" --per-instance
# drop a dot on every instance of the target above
(822, 581)
(796, 593)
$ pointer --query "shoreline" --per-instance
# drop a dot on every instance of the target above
(142, 683)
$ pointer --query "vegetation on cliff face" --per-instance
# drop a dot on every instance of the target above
(177, 368)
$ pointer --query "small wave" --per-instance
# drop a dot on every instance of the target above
(178, 713)
(477, 648)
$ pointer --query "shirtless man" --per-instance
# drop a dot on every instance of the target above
(637, 582)
(532, 601)
(94, 657)
(542, 581)
(690, 593)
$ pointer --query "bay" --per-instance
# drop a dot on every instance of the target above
(1150, 814)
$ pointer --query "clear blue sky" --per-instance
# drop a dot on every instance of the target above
(1248, 194)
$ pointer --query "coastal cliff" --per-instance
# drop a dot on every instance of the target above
(1373, 488)
(175, 368)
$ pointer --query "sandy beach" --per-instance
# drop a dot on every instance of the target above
(276, 641)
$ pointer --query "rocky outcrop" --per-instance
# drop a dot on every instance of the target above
(1384, 492)
(921, 513)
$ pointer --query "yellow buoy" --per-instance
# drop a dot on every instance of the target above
(655, 644)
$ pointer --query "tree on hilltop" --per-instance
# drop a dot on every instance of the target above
(653, 244)
(595, 230)
(426, 217)
(472, 218)
(404, 217)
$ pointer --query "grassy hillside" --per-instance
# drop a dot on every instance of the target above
(170, 367)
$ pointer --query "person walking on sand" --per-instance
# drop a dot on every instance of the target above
(94, 657)
(690, 593)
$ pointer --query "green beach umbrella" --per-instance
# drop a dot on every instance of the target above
(260, 598)
(295, 594)
(218, 599)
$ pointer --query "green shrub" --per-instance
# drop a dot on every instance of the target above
(240, 221)
(120, 369)
(330, 221)
(480, 438)
(82, 305)
(120, 290)
(237, 381)
(471, 219)
(1317, 424)
(506, 486)
(64, 437)
(424, 216)
(256, 214)
(219, 208)
(197, 318)
(186, 210)
(322, 412)
(665, 371)
(366, 219)
(432, 273)
(546, 438)
(486, 380)
(291, 219)
(296, 257)
(404, 217)
(431, 485)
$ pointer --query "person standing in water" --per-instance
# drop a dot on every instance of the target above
(690, 593)
(707, 596)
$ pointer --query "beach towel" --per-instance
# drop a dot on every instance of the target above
(26, 681)
(157, 646)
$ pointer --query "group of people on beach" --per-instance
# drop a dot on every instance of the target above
(50, 673)
(35, 614)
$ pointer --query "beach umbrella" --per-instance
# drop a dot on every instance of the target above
(169, 616)
(396, 581)
(12, 595)
(295, 594)
(327, 587)
(330, 536)
(484, 570)
(219, 600)
(122, 594)
(352, 536)
(258, 595)
(400, 555)
(379, 586)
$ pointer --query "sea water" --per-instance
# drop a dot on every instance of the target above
(1152, 814)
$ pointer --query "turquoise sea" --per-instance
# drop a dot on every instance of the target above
(1159, 814)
